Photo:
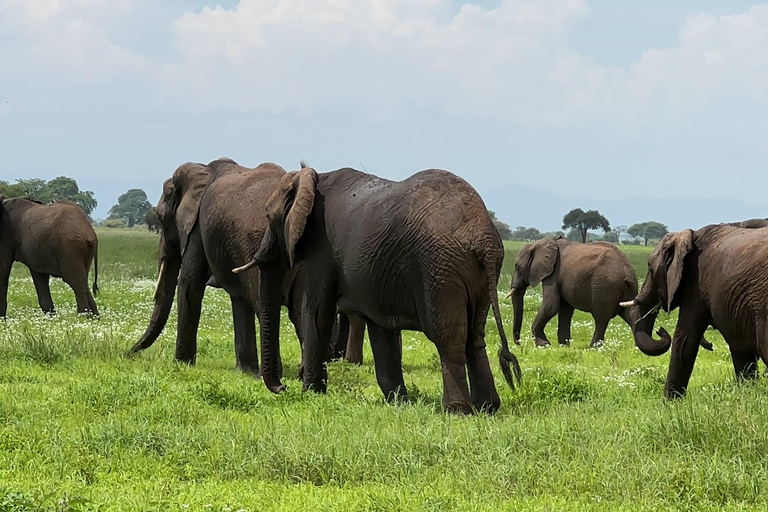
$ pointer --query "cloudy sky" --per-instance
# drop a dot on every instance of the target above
(580, 98)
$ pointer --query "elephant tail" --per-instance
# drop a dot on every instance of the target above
(507, 359)
(96, 269)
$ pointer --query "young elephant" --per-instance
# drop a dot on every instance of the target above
(420, 254)
(589, 277)
(717, 276)
(51, 240)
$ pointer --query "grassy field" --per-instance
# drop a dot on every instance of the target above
(83, 428)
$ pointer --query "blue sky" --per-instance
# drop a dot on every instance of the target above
(590, 99)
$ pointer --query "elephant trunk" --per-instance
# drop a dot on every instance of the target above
(270, 295)
(518, 296)
(643, 329)
(164, 292)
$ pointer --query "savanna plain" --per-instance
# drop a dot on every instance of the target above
(82, 427)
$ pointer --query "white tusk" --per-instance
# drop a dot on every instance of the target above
(628, 304)
(159, 278)
(245, 267)
(511, 291)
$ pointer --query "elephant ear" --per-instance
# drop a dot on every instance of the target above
(190, 180)
(543, 258)
(675, 247)
(303, 198)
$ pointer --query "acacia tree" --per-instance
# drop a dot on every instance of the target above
(583, 221)
(502, 227)
(648, 230)
(618, 231)
(131, 206)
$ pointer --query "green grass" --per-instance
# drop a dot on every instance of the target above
(83, 428)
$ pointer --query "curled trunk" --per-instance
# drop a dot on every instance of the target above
(643, 330)
(518, 296)
(164, 293)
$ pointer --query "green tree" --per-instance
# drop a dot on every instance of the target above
(582, 222)
(618, 231)
(47, 192)
(648, 230)
(502, 227)
(131, 206)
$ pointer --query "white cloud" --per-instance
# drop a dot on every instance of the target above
(384, 58)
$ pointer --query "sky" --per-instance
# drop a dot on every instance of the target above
(587, 99)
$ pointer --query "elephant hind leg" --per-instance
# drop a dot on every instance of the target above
(483, 389)
(745, 364)
(77, 279)
(564, 319)
(43, 289)
(388, 361)
(601, 325)
(549, 307)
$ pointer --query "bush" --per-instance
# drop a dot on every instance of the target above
(113, 223)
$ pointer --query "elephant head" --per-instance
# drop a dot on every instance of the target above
(177, 212)
(534, 263)
(287, 211)
(661, 286)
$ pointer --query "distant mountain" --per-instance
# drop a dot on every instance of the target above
(533, 207)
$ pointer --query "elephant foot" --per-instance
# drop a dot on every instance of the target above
(488, 406)
(565, 343)
(462, 408)
(596, 344)
(315, 387)
(542, 342)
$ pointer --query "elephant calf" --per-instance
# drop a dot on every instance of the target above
(588, 277)
(51, 240)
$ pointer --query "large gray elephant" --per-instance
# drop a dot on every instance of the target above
(717, 276)
(51, 240)
(589, 277)
(213, 219)
(420, 254)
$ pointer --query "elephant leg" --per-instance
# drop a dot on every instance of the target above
(295, 319)
(316, 324)
(77, 279)
(451, 343)
(564, 318)
(388, 362)
(246, 352)
(192, 278)
(354, 351)
(5, 274)
(745, 364)
(483, 389)
(43, 289)
(601, 325)
(685, 347)
(549, 308)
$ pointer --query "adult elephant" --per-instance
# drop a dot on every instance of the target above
(420, 254)
(716, 276)
(213, 219)
(51, 240)
(751, 223)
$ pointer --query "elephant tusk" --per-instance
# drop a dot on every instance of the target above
(508, 295)
(245, 267)
(159, 278)
(628, 304)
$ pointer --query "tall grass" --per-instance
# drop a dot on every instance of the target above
(84, 428)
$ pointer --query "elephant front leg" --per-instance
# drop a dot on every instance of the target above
(244, 320)
(5, 274)
(685, 348)
(317, 325)
(354, 351)
(564, 318)
(388, 361)
(193, 276)
(549, 308)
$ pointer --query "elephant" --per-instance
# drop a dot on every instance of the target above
(751, 223)
(716, 276)
(213, 219)
(51, 240)
(420, 254)
(589, 277)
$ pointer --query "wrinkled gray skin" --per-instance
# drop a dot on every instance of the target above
(51, 240)
(717, 276)
(751, 223)
(420, 254)
(589, 277)
(213, 219)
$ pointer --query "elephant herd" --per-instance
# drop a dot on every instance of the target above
(345, 250)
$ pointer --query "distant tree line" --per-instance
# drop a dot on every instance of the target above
(57, 189)
(580, 226)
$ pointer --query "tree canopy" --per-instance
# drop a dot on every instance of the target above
(47, 192)
(583, 221)
(503, 228)
(648, 230)
(131, 206)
